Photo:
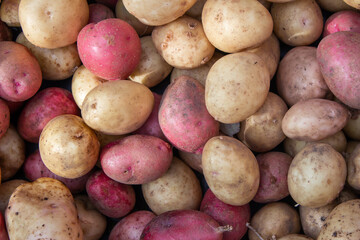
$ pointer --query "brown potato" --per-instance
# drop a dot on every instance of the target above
(352, 127)
(231, 170)
(353, 168)
(9, 12)
(6, 189)
(191, 159)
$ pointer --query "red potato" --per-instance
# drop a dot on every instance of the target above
(4, 117)
(98, 12)
(3, 232)
(131, 226)
(183, 116)
(338, 55)
(34, 168)
(136, 159)
(225, 214)
(151, 126)
(274, 167)
(342, 21)
(182, 224)
(111, 198)
(20, 72)
(110, 49)
(43, 107)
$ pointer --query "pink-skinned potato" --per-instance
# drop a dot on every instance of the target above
(99, 12)
(20, 72)
(136, 159)
(110, 49)
(43, 107)
(4, 117)
(338, 55)
(111, 198)
(131, 226)
(3, 231)
(34, 168)
(182, 224)
(342, 21)
(183, 116)
(225, 214)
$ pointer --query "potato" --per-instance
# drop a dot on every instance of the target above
(275, 219)
(134, 105)
(292, 146)
(56, 64)
(183, 43)
(236, 87)
(196, 10)
(182, 224)
(111, 198)
(131, 226)
(20, 72)
(9, 12)
(353, 3)
(68, 147)
(6, 189)
(105, 139)
(183, 116)
(342, 21)
(352, 127)
(152, 68)
(314, 119)
(43, 209)
(232, 26)
(353, 164)
(4, 117)
(266, 3)
(338, 55)
(295, 237)
(316, 175)
(334, 5)
(226, 215)
(191, 159)
(110, 49)
(177, 189)
(53, 24)
(299, 78)
(262, 132)
(297, 23)
(83, 81)
(156, 13)
(341, 223)
(89, 217)
(98, 12)
(231, 170)
(12, 153)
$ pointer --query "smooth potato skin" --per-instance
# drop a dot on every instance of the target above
(342, 21)
(334, 5)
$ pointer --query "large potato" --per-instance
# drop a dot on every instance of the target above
(43, 209)
(155, 12)
(236, 87)
(231, 170)
(232, 26)
(68, 147)
(134, 103)
(9, 12)
(316, 175)
(53, 24)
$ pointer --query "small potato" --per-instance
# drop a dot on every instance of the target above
(299, 77)
(6, 189)
(152, 68)
(314, 119)
(342, 21)
(155, 12)
(12, 153)
(316, 175)
(83, 81)
(183, 43)
(53, 24)
(236, 87)
(56, 64)
(9, 12)
(275, 219)
(334, 5)
(192, 159)
(231, 170)
(297, 23)
(4, 117)
(68, 147)
(342, 222)
(353, 3)
(295, 237)
(353, 168)
(134, 103)
(177, 189)
(98, 12)
(232, 26)
(262, 132)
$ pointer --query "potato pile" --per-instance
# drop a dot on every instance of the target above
(181, 119)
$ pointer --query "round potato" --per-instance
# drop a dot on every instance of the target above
(297, 23)
(334, 5)
(177, 189)
(231, 170)
(134, 103)
(68, 147)
(316, 175)
(9, 12)
(53, 24)
(236, 87)
(232, 26)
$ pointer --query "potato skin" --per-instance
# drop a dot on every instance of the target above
(342, 21)
(295, 237)
(4, 117)
(6, 189)
(9, 12)
(231, 170)
(353, 164)
(334, 5)
(99, 12)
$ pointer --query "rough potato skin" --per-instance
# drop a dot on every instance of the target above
(183, 116)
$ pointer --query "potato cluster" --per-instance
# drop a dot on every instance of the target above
(181, 119)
